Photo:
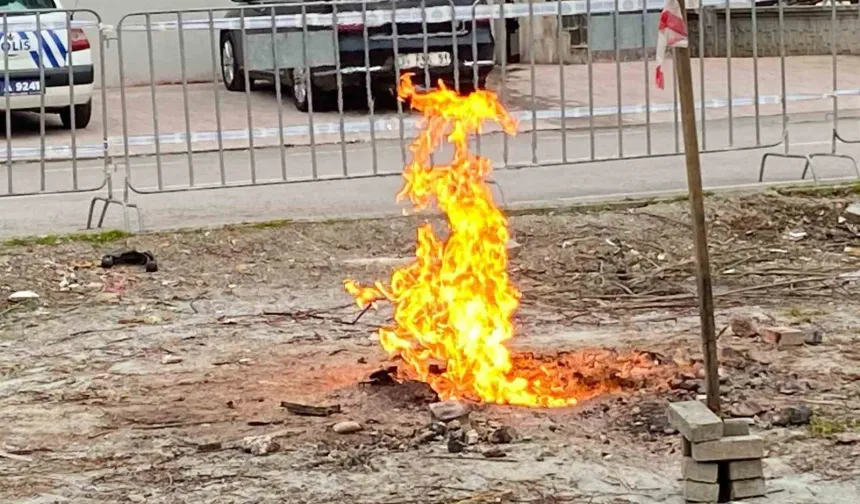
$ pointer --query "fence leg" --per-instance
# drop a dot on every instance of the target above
(110, 200)
(834, 154)
(807, 167)
(840, 156)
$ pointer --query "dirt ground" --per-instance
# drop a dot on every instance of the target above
(125, 386)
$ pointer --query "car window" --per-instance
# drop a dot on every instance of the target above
(25, 5)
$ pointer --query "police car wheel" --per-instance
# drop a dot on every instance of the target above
(83, 114)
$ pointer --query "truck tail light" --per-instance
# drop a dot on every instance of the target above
(350, 28)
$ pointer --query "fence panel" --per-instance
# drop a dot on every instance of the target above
(49, 69)
(296, 92)
(845, 24)
(831, 29)
(338, 62)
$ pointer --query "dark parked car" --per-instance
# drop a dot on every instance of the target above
(355, 44)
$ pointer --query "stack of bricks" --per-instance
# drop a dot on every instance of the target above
(722, 461)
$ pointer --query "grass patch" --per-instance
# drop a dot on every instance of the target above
(606, 206)
(826, 191)
(272, 224)
(801, 314)
(100, 238)
(821, 426)
(105, 237)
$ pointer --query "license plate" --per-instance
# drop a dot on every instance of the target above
(23, 87)
(421, 60)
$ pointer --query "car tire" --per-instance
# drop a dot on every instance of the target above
(302, 96)
(231, 72)
(83, 115)
(467, 84)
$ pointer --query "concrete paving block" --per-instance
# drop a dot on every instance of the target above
(703, 472)
(784, 337)
(686, 447)
(792, 338)
(736, 427)
(729, 448)
(745, 469)
(695, 421)
(745, 489)
(852, 213)
(696, 491)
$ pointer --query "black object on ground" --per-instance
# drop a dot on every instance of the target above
(131, 258)
(383, 377)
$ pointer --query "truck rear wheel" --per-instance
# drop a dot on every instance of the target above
(304, 91)
(231, 72)
(467, 83)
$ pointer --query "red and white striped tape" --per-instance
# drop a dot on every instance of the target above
(671, 32)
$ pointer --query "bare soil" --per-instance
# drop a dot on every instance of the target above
(125, 386)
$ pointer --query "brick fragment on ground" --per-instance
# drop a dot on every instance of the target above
(736, 427)
(745, 469)
(729, 448)
(745, 489)
(695, 421)
(783, 337)
(703, 472)
(696, 491)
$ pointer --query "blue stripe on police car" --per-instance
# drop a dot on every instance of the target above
(53, 50)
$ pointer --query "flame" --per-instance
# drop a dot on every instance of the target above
(455, 303)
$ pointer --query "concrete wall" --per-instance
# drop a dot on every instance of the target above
(808, 31)
(629, 32)
(543, 44)
(601, 37)
(165, 44)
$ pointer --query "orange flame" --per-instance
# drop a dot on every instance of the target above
(455, 303)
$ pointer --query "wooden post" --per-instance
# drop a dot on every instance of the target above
(697, 207)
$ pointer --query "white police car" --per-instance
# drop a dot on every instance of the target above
(27, 54)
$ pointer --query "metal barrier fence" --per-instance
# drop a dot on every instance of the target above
(49, 67)
(590, 103)
(836, 136)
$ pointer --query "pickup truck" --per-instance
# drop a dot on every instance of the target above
(360, 50)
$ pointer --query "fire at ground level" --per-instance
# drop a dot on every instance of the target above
(125, 386)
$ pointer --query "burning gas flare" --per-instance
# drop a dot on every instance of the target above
(455, 303)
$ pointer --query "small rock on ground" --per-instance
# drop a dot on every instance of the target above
(260, 445)
(743, 326)
(171, 359)
(21, 296)
(448, 410)
(503, 435)
(347, 427)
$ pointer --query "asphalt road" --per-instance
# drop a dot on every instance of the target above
(568, 177)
